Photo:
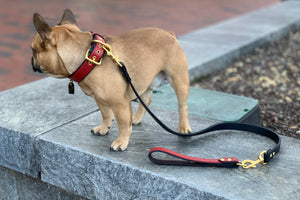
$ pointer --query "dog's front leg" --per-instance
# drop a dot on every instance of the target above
(123, 115)
(107, 116)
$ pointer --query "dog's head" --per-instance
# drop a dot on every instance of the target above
(56, 49)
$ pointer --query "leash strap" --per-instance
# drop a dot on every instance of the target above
(183, 160)
(263, 158)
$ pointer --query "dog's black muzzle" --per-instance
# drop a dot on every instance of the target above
(35, 66)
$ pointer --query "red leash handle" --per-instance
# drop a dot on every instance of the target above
(183, 160)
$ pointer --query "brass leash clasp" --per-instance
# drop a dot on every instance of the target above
(108, 50)
(246, 164)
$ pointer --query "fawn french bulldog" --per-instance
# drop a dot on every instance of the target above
(149, 54)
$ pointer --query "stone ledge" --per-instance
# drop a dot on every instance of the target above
(69, 157)
(42, 106)
(31, 110)
(73, 159)
(213, 48)
(14, 185)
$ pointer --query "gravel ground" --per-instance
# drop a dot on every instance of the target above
(270, 74)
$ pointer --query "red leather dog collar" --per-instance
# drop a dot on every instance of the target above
(93, 58)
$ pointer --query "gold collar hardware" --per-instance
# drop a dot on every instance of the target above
(92, 60)
(108, 50)
(246, 164)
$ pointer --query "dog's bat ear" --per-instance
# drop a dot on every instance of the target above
(43, 29)
(68, 18)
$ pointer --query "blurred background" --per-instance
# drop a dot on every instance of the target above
(107, 17)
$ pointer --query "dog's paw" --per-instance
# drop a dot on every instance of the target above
(136, 120)
(185, 129)
(100, 130)
(119, 145)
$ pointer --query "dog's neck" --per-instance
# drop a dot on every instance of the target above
(93, 57)
(73, 51)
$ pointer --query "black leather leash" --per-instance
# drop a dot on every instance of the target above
(183, 160)
(263, 158)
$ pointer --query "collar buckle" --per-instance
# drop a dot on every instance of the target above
(93, 60)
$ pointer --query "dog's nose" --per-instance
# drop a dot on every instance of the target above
(35, 67)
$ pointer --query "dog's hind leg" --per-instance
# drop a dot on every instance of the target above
(147, 98)
(178, 77)
(182, 92)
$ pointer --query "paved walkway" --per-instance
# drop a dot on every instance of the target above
(104, 16)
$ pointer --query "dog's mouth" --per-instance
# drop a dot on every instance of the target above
(35, 66)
